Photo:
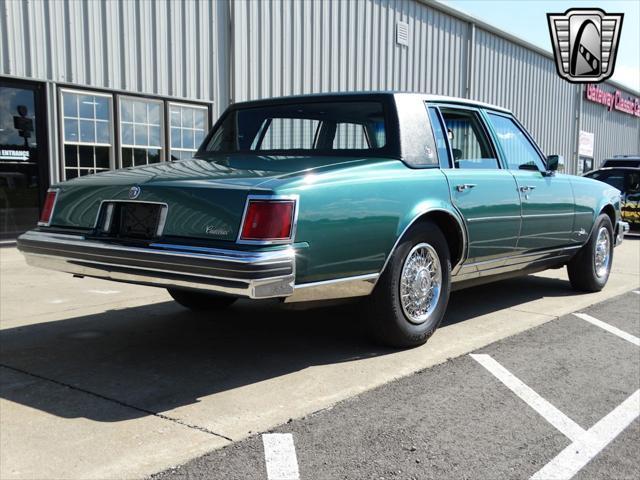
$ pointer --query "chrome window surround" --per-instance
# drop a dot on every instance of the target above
(106, 222)
(294, 219)
(53, 209)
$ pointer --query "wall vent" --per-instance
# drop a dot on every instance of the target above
(402, 33)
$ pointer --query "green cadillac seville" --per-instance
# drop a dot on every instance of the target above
(394, 196)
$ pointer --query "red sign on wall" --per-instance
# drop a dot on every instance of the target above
(613, 100)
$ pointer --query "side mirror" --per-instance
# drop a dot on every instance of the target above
(553, 162)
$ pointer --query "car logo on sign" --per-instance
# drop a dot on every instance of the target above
(134, 192)
(585, 43)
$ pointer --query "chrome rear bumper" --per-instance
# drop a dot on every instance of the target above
(239, 273)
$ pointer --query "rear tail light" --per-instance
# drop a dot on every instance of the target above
(47, 209)
(268, 220)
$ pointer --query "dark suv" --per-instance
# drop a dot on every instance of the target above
(627, 180)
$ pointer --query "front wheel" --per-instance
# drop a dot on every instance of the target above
(589, 270)
(200, 301)
(411, 296)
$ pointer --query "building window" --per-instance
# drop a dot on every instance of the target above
(140, 131)
(188, 128)
(86, 125)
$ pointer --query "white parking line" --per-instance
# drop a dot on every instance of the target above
(609, 328)
(280, 456)
(586, 444)
(550, 413)
(569, 462)
(104, 292)
(637, 291)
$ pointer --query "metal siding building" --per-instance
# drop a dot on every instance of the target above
(169, 58)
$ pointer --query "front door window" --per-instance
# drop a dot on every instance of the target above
(519, 152)
(547, 200)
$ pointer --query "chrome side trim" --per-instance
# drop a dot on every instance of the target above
(543, 215)
(410, 224)
(358, 286)
(504, 217)
(294, 220)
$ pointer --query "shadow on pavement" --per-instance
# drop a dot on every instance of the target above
(161, 356)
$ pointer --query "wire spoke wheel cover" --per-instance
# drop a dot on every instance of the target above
(420, 283)
(602, 255)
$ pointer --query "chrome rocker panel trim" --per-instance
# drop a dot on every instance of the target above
(232, 272)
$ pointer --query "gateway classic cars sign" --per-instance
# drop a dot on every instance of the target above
(613, 100)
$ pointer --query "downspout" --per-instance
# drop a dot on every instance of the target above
(576, 156)
(470, 59)
(231, 79)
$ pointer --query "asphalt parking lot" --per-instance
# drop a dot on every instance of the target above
(103, 380)
(460, 420)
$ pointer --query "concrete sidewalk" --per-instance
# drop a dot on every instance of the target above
(107, 380)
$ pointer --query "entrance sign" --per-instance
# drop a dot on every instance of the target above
(20, 155)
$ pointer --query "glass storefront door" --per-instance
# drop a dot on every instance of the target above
(23, 158)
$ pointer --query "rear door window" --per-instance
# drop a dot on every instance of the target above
(470, 144)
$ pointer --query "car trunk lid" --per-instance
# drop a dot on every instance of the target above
(204, 199)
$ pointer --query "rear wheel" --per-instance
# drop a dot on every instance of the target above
(589, 270)
(411, 297)
(200, 301)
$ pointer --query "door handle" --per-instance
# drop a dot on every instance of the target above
(465, 186)
(527, 188)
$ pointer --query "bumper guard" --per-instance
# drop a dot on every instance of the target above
(621, 229)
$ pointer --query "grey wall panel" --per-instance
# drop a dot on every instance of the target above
(171, 48)
(285, 47)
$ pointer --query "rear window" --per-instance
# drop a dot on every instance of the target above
(350, 127)
(621, 163)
